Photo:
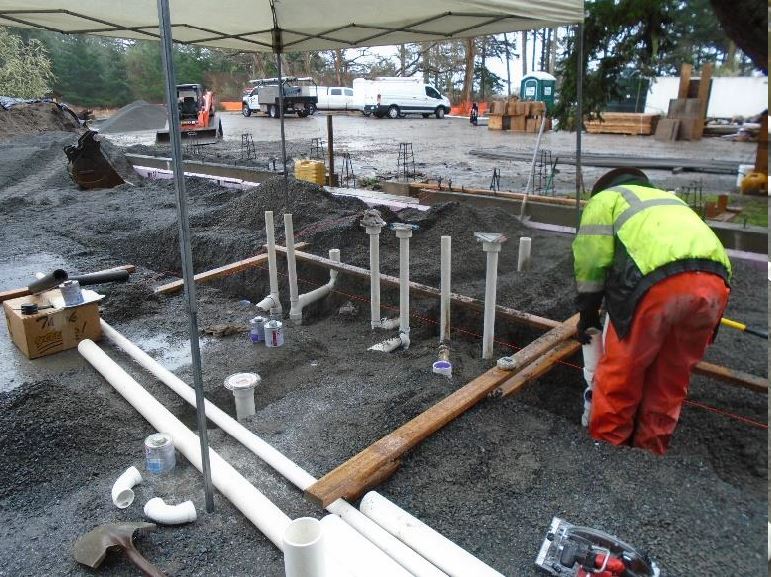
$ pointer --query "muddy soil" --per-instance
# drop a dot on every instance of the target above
(491, 480)
(35, 118)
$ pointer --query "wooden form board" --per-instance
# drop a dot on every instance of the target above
(538, 368)
(24, 291)
(430, 187)
(730, 376)
(378, 461)
(219, 272)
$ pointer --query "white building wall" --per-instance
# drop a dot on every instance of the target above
(731, 96)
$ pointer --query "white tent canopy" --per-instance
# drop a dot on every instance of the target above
(303, 24)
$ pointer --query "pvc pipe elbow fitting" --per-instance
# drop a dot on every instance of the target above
(404, 337)
(122, 493)
(157, 510)
(269, 303)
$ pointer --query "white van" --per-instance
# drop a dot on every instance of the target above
(396, 96)
(336, 98)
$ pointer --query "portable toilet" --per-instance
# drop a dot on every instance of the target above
(538, 86)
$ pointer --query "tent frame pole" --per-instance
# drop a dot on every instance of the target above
(283, 133)
(167, 60)
(579, 117)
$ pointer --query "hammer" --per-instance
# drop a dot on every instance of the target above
(91, 548)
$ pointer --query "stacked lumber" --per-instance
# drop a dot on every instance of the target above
(517, 116)
(687, 113)
(623, 123)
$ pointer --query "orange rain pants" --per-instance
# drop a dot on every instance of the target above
(641, 381)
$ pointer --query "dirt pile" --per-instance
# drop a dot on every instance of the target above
(139, 115)
(35, 118)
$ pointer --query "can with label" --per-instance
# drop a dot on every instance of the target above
(257, 329)
(159, 453)
(274, 334)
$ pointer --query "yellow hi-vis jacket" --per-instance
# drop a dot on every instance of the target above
(632, 237)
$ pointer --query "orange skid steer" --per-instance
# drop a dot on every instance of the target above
(197, 116)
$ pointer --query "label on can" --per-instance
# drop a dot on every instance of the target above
(274, 334)
(257, 329)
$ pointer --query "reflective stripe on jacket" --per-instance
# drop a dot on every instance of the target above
(634, 236)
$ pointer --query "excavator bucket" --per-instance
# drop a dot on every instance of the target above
(89, 167)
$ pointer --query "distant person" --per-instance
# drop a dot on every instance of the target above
(474, 116)
(664, 276)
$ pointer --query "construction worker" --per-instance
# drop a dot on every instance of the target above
(664, 276)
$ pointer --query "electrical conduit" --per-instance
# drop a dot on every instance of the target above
(300, 478)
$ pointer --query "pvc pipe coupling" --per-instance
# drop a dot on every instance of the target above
(242, 385)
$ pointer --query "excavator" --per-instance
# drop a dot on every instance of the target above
(197, 115)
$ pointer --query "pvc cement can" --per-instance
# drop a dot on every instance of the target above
(257, 329)
(159, 453)
(274, 334)
(71, 293)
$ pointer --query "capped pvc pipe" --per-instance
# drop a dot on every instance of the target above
(451, 558)
(245, 497)
(295, 474)
(122, 493)
(291, 266)
(296, 312)
(355, 553)
(523, 259)
(271, 303)
(491, 244)
(303, 546)
(373, 224)
(242, 385)
(157, 510)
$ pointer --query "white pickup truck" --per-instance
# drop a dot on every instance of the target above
(337, 98)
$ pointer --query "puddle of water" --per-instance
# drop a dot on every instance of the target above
(172, 354)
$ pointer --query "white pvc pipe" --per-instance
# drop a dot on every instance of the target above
(157, 510)
(244, 402)
(291, 265)
(245, 497)
(444, 316)
(304, 548)
(404, 285)
(374, 272)
(523, 259)
(296, 475)
(592, 353)
(270, 235)
(769, 542)
(296, 312)
(445, 554)
(122, 494)
(491, 281)
(357, 554)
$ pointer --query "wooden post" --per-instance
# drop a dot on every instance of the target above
(705, 83)
(331, 150)
(761, 157)
(685, 81)
(378, 461)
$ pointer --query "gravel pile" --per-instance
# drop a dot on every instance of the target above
(139, 115)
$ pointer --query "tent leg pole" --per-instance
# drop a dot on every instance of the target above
(283, 134)
(164, 20)
(579, 117)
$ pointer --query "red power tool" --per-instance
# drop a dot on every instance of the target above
(571, 551)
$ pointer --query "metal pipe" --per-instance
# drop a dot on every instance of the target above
(164, 20)
(283, 133)
(291, 265)
(579, 117)
(446, 258)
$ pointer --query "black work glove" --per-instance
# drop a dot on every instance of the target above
(588, 305)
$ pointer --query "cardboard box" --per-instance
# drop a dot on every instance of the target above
(52, 330)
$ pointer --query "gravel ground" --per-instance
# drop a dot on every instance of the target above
(491, 480)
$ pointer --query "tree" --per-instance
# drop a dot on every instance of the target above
(25, 69)
(745, 22)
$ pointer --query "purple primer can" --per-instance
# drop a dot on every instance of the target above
(257, 329)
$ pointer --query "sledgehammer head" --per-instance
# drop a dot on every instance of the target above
(91, 548)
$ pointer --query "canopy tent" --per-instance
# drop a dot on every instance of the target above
(281, 26)
(303, 25)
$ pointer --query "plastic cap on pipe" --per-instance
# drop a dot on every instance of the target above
(442, 368)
